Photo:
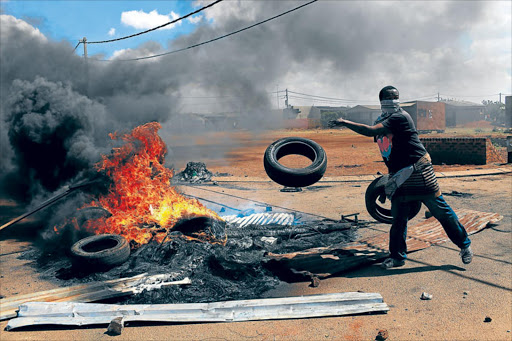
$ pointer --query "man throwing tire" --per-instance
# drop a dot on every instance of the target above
(411, 176)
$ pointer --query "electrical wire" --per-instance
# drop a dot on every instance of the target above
(211, 40)
(319, 99)
(470, 95)
(156, 28)
(330, 98)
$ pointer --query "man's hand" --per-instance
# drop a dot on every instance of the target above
(336, 123)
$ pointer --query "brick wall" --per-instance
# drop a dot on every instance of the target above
(462, 150)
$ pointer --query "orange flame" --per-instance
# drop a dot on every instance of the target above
(141, 200)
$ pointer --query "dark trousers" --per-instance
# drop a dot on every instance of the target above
(439, 209)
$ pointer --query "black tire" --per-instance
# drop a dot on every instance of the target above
(101, 251)
(295, 177)
(375, 197)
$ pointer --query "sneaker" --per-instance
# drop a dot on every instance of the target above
(392, 263)
(466, 254)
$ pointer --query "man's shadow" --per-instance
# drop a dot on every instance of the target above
(374, 270)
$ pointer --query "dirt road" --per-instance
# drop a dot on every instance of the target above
(241, 153)
(463, 296)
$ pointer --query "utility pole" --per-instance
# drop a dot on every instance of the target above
(438, 98)
(286, 100)
(84, 41)
(277, 95)
(500, 97)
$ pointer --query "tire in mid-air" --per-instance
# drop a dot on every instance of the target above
(101, 251)
(375, 197)
(295, 177)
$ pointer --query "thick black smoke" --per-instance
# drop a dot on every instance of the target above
(57, 108)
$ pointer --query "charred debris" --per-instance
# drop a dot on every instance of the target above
(230, 271)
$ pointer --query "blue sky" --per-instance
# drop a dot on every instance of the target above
(73, 20)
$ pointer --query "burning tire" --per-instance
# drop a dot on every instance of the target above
(102, 251)
(295, 177)
(375, 197)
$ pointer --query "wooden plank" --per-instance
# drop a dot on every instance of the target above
(68, 313)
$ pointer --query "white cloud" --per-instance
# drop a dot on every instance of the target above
(144, 50)
(230, 10)
(196, 19)
(142, 20)
(8, 21)
(112, 32)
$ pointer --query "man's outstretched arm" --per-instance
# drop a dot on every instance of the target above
(360, 128)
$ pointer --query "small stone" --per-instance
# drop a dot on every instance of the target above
(487, 319)
(426, 296)
(382, 335)
(315, 282)
(116, 326)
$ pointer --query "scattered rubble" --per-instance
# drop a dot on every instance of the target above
(458, 194)
(116, 326)
(382, 335)
(195, 172)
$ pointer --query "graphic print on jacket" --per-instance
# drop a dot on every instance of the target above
(385, 144)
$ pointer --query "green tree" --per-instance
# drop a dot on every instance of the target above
(495, 110)
(327, 116)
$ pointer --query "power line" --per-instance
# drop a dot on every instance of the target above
(314, 99)
(156, 28)
(215, 39)
(471, 95)
(331, 98)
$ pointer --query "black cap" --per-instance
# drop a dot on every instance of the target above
(388, 92)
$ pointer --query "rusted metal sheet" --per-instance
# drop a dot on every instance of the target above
(67, 313)
(325, 261)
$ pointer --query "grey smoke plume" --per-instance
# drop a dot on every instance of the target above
(51, 94)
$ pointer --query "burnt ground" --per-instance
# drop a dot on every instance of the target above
(463, 296)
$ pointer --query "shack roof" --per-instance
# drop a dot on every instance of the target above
(462, 103)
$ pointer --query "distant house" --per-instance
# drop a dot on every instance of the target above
(427, 116)
(462, 112)
(301, 117)
(366, 114)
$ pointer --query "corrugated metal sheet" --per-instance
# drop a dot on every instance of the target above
(335, 304)
(325, 261)
(285, 219)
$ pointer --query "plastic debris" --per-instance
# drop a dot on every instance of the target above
(426, 296)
